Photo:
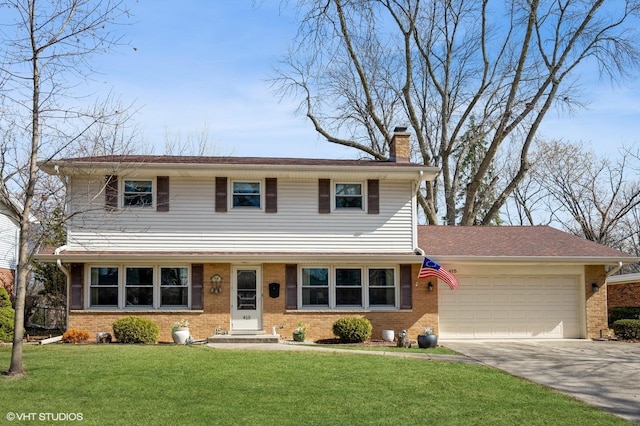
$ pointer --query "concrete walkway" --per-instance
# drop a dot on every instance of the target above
(603, 374)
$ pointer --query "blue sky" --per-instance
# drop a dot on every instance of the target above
(206, 64)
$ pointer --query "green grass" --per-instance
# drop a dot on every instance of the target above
(167, 384)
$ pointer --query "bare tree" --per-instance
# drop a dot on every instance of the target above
(43, 64)
(589, 196)
(363, 66)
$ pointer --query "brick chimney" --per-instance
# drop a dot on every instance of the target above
(399, 146)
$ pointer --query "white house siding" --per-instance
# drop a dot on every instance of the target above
(193, 225)
(8, 234)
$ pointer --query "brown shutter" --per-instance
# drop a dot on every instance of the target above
(271, 199)
(324, 196)
(373, 196)
(111, 192)
(221, 194)
(162, 202)
(77, 286)
(405, 287)
(291, 286)
(197, 286)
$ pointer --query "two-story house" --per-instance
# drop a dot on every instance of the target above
(252, 245)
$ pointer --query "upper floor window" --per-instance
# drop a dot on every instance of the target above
(246, 194)
(138, 193)
(349, 196)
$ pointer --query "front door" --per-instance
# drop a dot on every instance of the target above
(246, 299)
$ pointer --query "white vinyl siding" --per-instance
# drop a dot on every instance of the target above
(8, 241)
(192, 224)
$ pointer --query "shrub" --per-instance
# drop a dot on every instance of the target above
(136, 330)
(352, 329)
(7, 317)
(623, 312)
(627, 328)
(75, 336)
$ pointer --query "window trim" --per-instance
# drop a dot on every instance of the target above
(122, 287)
(365, 286)
(261, 195)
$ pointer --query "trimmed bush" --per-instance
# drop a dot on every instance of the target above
(627, 328)
(623, 312)
(136, 330)
(7, 317)
(75, 336)
(352, 329)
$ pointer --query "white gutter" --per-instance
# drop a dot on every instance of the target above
(67, 274)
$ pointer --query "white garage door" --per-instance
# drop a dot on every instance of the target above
(486, 307)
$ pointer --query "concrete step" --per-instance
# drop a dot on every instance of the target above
(244, 338)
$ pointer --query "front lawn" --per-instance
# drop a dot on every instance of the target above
(167, 384)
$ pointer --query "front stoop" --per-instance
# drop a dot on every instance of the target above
(244, 338)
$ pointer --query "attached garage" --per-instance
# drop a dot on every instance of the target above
(516, 307)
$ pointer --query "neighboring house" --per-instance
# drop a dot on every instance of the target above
(623, 291)
(249, 245)
(9, 234)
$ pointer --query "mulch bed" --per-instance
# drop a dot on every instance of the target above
(370, 342)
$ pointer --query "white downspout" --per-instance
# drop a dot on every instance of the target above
(67, 274)
(613, 271)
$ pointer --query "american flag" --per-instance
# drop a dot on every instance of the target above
(432, 269)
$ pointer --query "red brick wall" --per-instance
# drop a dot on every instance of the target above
(216, 311)
(619, 295)
(7, 278)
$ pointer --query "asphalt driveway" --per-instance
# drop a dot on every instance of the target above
(604, 374)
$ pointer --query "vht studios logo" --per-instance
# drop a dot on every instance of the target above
(45, 417)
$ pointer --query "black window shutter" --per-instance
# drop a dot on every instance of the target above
(373, 196)
(111, 192)
(271, 199)
(221, 194)
(324, 196)
(77, 286)
(197, 286)
(405, 287)
(162, 202)
(291, 286)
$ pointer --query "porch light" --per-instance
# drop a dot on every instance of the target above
(429, 286)
(216, 284)
(595, 287)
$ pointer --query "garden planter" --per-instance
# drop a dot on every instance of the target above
(427, 341)
(180, 335)
(388, 335)
(299, 337)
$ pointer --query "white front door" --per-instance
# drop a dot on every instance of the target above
(246, 299)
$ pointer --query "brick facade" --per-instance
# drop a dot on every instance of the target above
(216, 312)
(622, 295)
(7, 279)
(217, 308)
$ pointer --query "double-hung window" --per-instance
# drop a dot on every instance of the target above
(348, 287)
(138, 193)
(246, 194)
(348, 196)
(382, 289)
(103, 285)
(315, 286)
(174, 286)
(139, 286)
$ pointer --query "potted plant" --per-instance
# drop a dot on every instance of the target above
(428, 339)
(180, 332)
(300, 333)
